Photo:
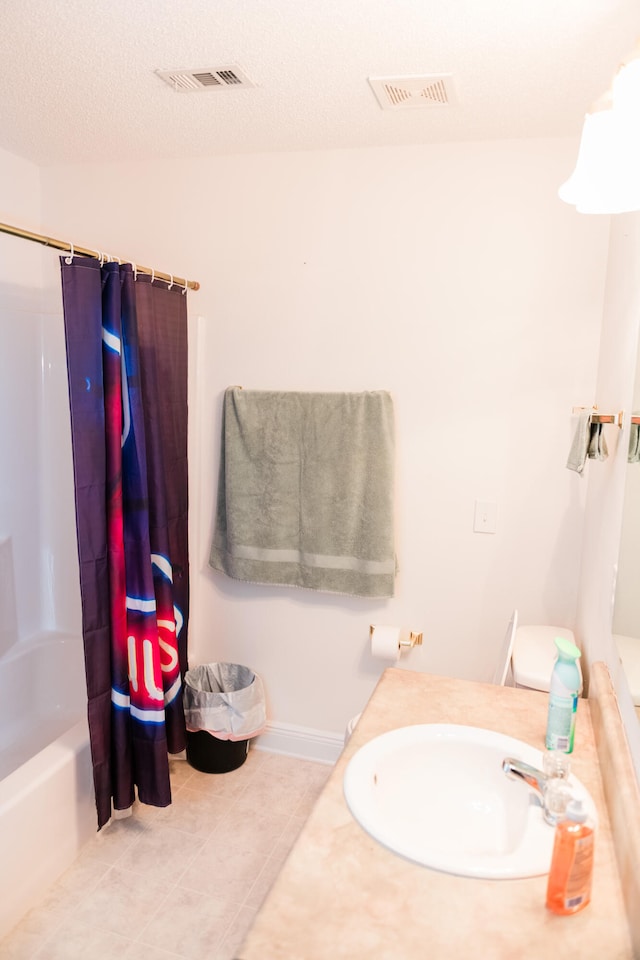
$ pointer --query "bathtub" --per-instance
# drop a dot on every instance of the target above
(47, 806)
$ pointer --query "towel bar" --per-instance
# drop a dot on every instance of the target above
(617, 418)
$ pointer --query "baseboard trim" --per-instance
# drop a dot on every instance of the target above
(304, 743)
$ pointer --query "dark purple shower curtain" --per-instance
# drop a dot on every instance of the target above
(127, 368)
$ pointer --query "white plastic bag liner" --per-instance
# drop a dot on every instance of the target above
(225, 699)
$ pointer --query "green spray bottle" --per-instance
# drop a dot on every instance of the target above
(564, 690)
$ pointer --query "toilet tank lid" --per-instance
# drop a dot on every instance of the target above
(534, 654)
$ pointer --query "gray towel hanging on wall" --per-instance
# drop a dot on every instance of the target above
(305, 492)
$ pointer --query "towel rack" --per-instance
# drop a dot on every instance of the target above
(617, 418)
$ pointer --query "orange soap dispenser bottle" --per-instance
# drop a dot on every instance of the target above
(569, 886)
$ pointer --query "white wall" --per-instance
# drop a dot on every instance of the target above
(603, 515)
(626, 618)
(450, 275)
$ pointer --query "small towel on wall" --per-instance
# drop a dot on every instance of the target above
(305, 492)
(580, 445)
(634, 442)
(597, 443)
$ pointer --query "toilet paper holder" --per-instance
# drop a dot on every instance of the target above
(412, 640)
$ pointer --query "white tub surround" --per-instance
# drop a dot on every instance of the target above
(47, 803)
(341, 894)
(8, 615)
(43, 693)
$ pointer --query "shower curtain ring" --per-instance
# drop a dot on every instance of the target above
(186, 284)
(70, 258)
(171, 284)
(153, 274)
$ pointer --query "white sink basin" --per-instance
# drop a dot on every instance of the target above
(436, 794)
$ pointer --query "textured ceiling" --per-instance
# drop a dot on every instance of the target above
(77, 80)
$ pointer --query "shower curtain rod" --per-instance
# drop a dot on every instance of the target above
(96, 254)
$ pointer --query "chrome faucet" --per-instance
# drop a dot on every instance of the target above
(518, 770)
(552, 800)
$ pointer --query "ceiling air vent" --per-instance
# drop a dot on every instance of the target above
(395, 93)
(195, 81)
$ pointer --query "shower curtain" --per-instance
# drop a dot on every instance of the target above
(126, 343)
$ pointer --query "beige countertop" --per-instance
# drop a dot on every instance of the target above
(340, 894)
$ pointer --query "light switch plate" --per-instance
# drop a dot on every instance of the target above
(484, 517)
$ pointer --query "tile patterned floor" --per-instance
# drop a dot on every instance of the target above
(182, 882)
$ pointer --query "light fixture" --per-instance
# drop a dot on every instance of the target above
(607, 174)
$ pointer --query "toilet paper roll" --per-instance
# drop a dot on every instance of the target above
(385, 643)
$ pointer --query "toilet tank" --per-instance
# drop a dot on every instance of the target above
(534, 654)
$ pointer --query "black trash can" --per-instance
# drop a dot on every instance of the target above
(224, 708)
(209, 754)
